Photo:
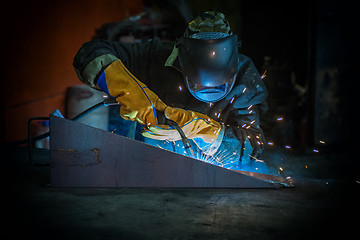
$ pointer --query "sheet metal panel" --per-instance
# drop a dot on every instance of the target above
(83, 156)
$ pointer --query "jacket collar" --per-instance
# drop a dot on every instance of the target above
(173, 60)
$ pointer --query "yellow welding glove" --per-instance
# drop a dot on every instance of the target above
(206, 132)
(138, 102)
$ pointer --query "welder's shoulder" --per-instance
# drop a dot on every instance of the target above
(127, 52)
(91, 50)
(245, 61)
(94, 55)
(91, 58)
(247, 67)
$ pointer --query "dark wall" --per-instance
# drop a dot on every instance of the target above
(336, 64)
(310, 52)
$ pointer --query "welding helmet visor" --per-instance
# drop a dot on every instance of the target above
(209, 63)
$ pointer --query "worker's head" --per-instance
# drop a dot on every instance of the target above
(208, 55)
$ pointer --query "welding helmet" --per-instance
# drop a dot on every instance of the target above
(209, 62)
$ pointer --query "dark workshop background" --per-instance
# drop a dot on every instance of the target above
(41, 40)
(307, 49)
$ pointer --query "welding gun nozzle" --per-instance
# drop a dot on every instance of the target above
(185, 141)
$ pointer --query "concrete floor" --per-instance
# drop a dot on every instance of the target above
(319, 206)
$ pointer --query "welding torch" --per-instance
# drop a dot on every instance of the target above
(185, 141)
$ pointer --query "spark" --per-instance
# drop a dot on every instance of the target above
(281, 169)
(270, 143)
(264, 74)
(279, 119)
(113, 130)
(232, 99)
(306, 166)
(243, 125)
(244, 90)
(256, 160)
(249, 107)
(211, 104)
(322, 142)
(315, 150)
(180, 88)
(287, 146)
(252, 122)
(161, 147)
(248, 127)
(219, 158)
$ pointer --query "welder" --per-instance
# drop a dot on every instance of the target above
(200, 82)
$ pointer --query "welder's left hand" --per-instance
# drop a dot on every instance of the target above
(206, 132)
(256, 138)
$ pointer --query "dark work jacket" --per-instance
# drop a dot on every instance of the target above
(239, 110)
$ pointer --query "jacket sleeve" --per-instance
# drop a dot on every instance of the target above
(94, 56)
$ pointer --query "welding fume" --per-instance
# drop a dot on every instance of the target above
(197, 96)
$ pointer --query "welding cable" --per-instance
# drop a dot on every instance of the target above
(106, 102)
(87, 111)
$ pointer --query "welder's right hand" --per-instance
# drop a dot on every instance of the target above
(206, 132)
(138, 102)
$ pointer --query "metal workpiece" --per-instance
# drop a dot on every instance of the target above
(84, 156)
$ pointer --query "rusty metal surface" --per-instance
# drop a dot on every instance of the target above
(83, 156)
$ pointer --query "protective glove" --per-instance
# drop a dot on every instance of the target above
(256, 138)
(206, 133)
(138, 102)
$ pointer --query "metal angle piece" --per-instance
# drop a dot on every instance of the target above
(84, 156)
